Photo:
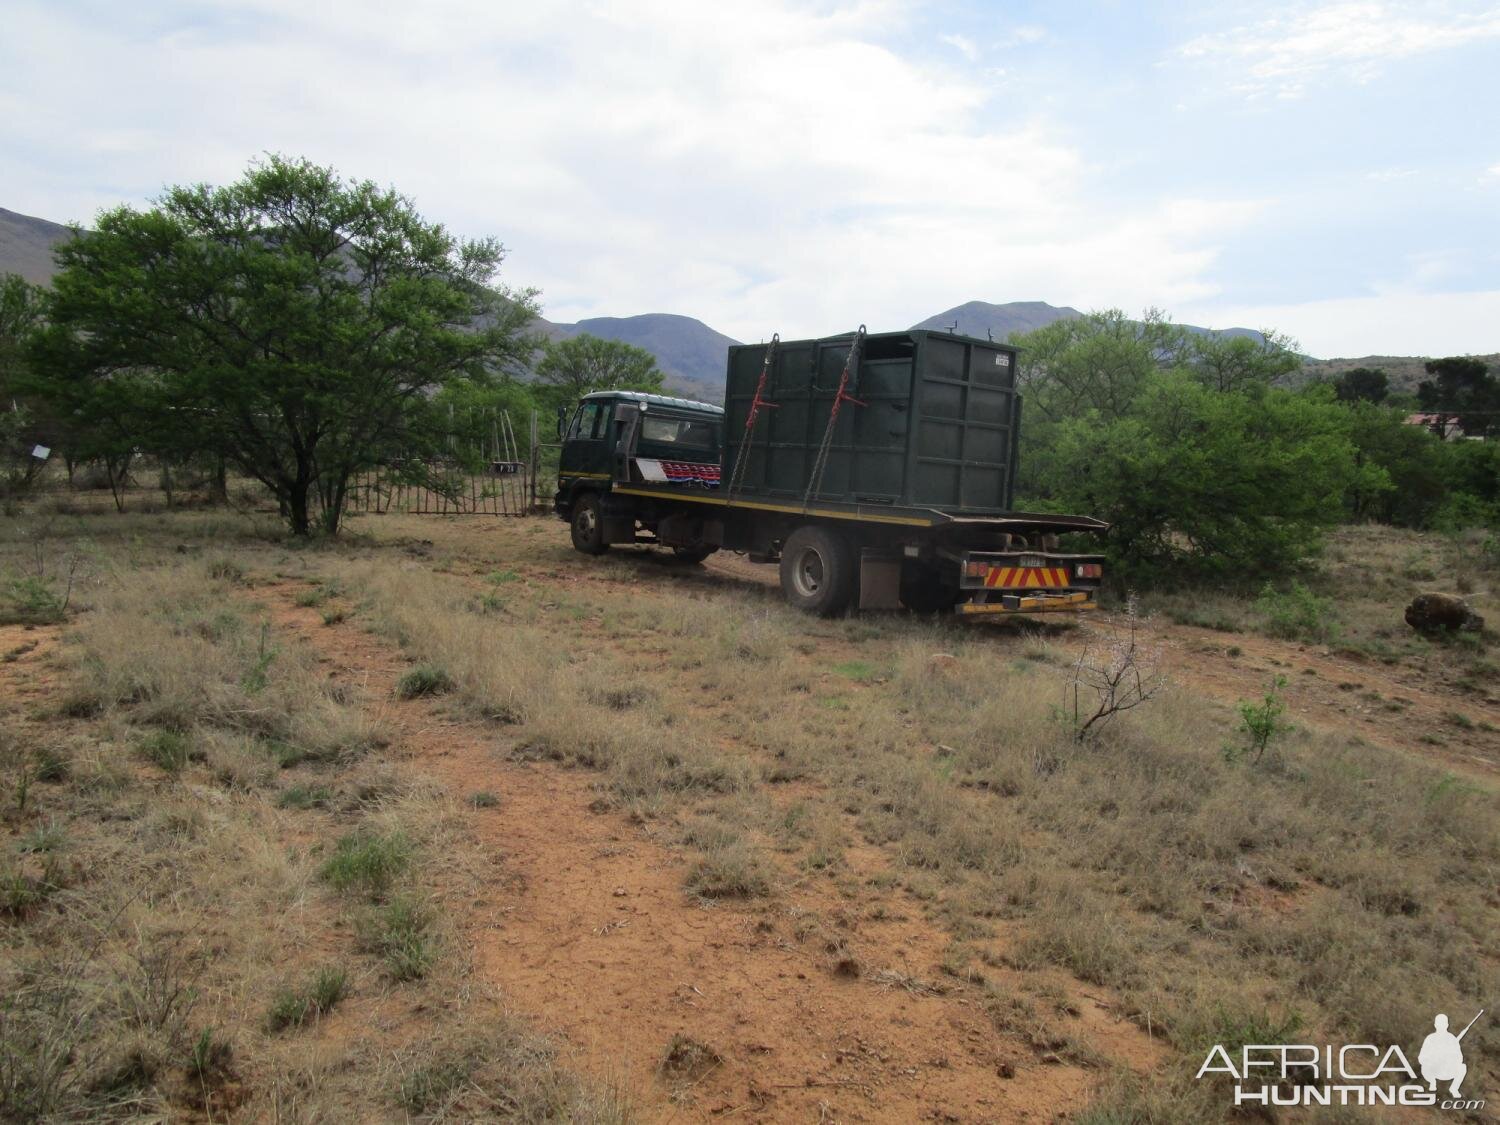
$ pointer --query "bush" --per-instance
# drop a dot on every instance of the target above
(1297, 615)
(1203, 484)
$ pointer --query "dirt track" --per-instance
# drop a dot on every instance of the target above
(589, 934)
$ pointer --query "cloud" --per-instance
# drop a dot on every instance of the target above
(763, 166)
(1285, 53)
(1388, 323)
(962, 44)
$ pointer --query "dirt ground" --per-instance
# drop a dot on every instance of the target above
(590, 935)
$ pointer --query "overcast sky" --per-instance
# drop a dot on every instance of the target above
(1328, 169)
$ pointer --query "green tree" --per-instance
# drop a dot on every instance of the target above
(20, 317)
(1362, 384)
(1235, 363)
(1416, 465)
(295, 322)
(1201, 484)
(580, 364)
(1463, 387)
(1096, 362)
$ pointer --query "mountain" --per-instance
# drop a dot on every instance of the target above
(997, 322)
(26, 246)
(690, 353)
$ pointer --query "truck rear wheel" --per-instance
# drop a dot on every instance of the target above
(588, 525)
(818, 571)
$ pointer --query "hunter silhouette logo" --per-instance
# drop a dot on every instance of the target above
(1356, 1074)
(1442, 1055)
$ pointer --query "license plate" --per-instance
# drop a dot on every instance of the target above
(1032, 560)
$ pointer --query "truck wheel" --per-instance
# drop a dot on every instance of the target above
(588, 525)
(692, 556)
(924, 591)
(818, 571)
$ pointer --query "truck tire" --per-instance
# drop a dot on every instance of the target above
(588, 525)
(692, 556)
(818, 571)
(923, 591)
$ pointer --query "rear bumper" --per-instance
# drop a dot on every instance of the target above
(1071, 601)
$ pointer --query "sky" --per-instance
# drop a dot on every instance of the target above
(1327, 169)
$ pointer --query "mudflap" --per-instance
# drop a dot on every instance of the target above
(879, 579)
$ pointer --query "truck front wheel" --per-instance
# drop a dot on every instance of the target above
(588, 525)
(818, 571)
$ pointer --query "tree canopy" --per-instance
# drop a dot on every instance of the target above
(580, 364)
(1362, 384)
(1463, 387)
(298, 323)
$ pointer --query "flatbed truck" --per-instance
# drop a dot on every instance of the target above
(877, 471)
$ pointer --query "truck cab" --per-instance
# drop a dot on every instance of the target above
(630, 437)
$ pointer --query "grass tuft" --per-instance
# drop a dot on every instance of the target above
(367, 862)
(425, 679)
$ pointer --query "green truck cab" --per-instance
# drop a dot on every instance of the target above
(876, 470)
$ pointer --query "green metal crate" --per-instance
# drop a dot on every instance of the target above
(938, 428)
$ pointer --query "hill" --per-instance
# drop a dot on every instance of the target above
(982, 319)
(26, 245)
(690, 353)
(1404, 371)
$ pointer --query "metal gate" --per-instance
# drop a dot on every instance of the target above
(491, 474)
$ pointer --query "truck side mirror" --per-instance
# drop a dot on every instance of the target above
(562, 421)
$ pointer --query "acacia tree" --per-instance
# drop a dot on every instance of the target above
(296, 323)
(585, 363)
(19, 315)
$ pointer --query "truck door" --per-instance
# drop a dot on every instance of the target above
(585, 452)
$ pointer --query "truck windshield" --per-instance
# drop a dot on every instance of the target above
(683, 432)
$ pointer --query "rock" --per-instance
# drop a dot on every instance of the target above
(1435, 613)
(942, 663)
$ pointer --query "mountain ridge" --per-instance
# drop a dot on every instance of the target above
(691, 354)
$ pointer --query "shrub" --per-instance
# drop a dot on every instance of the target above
(1297, 615)
(292, 1007)
(30, 600)
(1261, 722)
(1197, 483)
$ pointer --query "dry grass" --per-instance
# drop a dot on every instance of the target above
(1339, 888)
(194, 824)
(1146, 863)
